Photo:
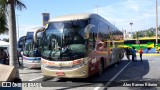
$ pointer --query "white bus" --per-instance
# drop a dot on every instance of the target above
(32, 48)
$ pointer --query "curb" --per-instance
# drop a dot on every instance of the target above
(147, 54)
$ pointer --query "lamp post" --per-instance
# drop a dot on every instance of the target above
(157, 26)
(97, 6)
(131, 26)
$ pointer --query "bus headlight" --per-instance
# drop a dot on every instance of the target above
(85, 62)
(80, 62)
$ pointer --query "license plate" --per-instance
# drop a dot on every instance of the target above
(60, 73)
(33, 65)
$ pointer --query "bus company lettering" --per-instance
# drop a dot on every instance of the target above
(23, 84)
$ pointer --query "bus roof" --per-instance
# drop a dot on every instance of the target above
(72, 17)
(81, 16)
(36, 28)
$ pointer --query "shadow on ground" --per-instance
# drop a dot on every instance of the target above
(134, 74)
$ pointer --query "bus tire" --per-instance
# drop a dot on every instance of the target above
(100, 67)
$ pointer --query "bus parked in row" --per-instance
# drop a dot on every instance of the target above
(148, 44)
(80, 45)
(32, 48)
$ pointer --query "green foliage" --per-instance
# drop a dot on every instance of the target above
(145, 33)
(3, 24)
(3, 20)
(3, 13)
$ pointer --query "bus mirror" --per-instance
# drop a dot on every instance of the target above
(86, 35)
(87, 30)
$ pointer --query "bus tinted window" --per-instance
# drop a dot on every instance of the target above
(29, 35)
(130, 42)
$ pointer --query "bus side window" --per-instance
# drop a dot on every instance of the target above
(100, 47)
(105, 46)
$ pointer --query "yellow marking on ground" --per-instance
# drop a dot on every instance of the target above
(149, 54)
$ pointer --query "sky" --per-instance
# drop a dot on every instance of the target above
(142, 13)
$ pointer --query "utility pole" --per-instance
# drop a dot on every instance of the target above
(157, 26)
(131, 26)
(97, 7)
(131, 23)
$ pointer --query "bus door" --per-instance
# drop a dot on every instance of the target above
(108, 54)
(92, 55)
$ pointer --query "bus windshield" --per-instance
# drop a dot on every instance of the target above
(29, 35)
(64, 37)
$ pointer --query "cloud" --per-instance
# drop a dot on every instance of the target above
(140, 12)
(24, 28)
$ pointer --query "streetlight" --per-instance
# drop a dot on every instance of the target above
(97, 6)
(156, 26)
(131, 26)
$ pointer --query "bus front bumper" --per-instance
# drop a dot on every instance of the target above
(31, 65)
(81, 72)
(32, 62)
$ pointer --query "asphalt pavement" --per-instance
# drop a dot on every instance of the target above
(113, 78)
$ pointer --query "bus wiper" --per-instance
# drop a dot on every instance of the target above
(55, 53)
(50, 55)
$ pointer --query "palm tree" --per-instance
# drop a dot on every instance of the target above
(8, 6)
(3, 21)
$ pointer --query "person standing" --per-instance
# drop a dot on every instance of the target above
(133, 54)
(3, 56)
(140, 53)
(128, 53)
(18, 56)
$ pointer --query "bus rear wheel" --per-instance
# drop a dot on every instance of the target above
(100, 67)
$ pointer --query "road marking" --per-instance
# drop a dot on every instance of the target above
(36, 78)
(55, 79)
(113, 77)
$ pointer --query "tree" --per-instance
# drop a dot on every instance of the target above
(149, 33)
(8, 7)
(3, 20)
(137, 35)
